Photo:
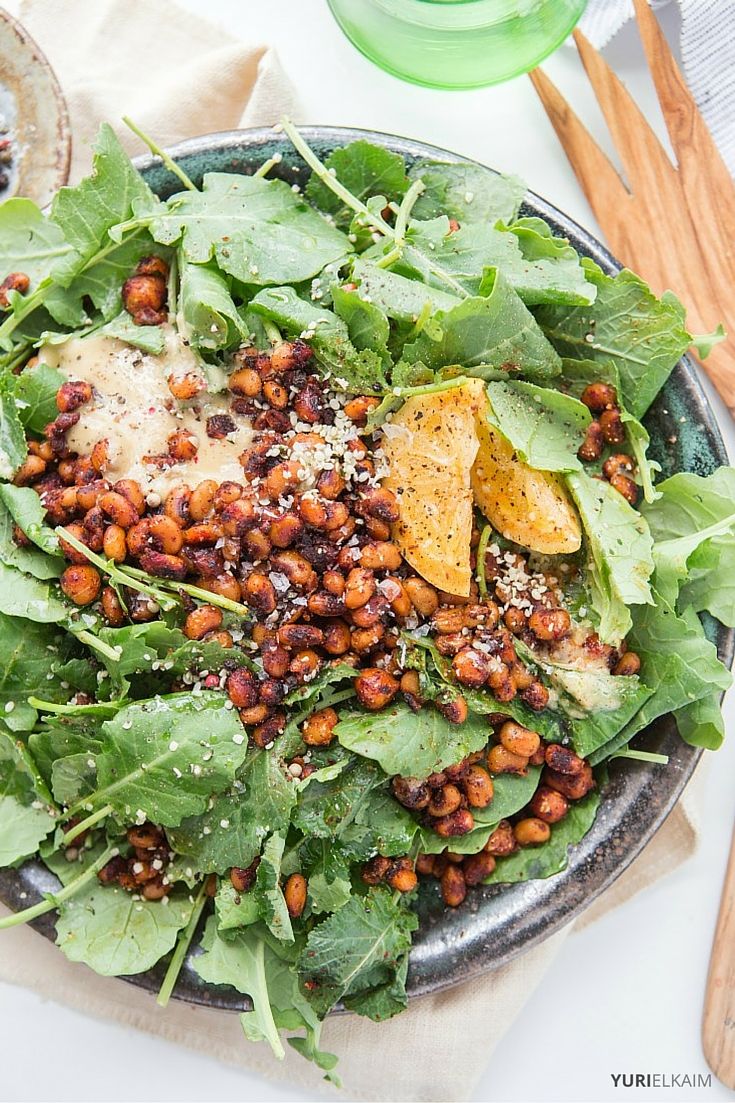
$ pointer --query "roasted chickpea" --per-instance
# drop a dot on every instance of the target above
(357, 409)
(612, 426)
(424, 597)
(470, 667)
(599, 396)
(627, 664)
(456, 823)
(295, 636)
(410, 792)
(242, 880)
(285, 531)
(454, 709)
(81, 584)
(375, 688)
(531, 832)
(336, 638)
(374, 871)
(204, 619)
(536, 696)
(476, 867)
(563, 760)
(114, 545)
(502, 840)
(445, 800)
(478, 787)
(259, 593)
(627, 487)
(264, 734)
(519, 740)
(118, 509)
(502, 761)
(401, 875)
(573, 787)
(245, 382)
(453, 886)
(550, 624)
(31, 469)
(593, 444)
(318, 729)
(380, 556)
(182, 445)
(548, 804)
(112, 608)
(381, 504)
(242, 688)
(294, 893)
(201, 501)
(256, 714)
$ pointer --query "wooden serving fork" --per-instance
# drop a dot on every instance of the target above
(672, 224)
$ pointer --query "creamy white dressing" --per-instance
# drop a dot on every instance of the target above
(134, 410)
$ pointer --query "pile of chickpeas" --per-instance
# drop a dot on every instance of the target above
(349, 595)
(608, 428)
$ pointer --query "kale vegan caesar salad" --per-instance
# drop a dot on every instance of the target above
(333, 568)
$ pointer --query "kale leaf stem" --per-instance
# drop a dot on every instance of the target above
(182, 945)
(158, 152)
(85, 825)
(53, 900)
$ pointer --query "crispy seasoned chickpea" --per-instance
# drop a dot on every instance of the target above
(245, 382)
(627, 664)
(114, 545)
(31, 469)
(445, 800)
(281, 480)
(285, 531)
(242, 688)
(112, 608)
(305, 664)
(447, 621)
(318, 729)
(393, 589)
(73, 394)
(380, 556)
(519, 740)
(478, 786)
(259, 593)
(201, 502)
(502, 761)
(548, 804)
(593, 444)
(476, 867)
(456, 823)
(625, 486)
(573, 787)
(410, 792)
(470, 667)
(289, 356)
(186, 386)
(118, 509)
(366, 639)
(74, 529)
(598, 397)
(619, 463)
(454, 709)
(375, 688)
(294, 893)
(156, 890)
(531, 832)
(330, 484)
(401, 876)
(453, 886)
(323, 604)
(256, 714)
(425, 864)
(296, 568)
(14, 281)
(256, 545)
(182, 445)
(81, 583)
(357, 409)
(550, 624)
(612, 426)
(501, 683)
(424, 597)
(359, 588)
(336, 638)
(163, 565)
(199, 535)
(176, 505)
(275, 394)
(264, 734)
(563, 760)
(373, 612)
(242, 880)
(276, 659)
(295, 636)
(536, 696)
(146, 836)
(502, 840)
(380, 503)
(374, 871)
(143, 297)
(206, 618)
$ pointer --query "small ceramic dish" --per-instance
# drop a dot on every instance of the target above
(33, 116)
(496, 923)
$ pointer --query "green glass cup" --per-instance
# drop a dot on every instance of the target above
(457, 43)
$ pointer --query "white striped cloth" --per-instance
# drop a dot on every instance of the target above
(707, 53)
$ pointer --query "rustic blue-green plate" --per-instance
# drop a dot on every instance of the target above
(497, 923)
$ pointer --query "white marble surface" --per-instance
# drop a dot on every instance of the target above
(623, 996)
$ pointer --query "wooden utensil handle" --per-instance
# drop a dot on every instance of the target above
(718, 1022)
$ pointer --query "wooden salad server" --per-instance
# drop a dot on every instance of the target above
(673, 224)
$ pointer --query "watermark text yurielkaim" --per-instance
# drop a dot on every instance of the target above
(661, 1079)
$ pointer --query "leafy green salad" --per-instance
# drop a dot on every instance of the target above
(334, 570)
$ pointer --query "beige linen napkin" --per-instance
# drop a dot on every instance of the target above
(177, 77)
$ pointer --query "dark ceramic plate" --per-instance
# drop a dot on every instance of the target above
(496, 923)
